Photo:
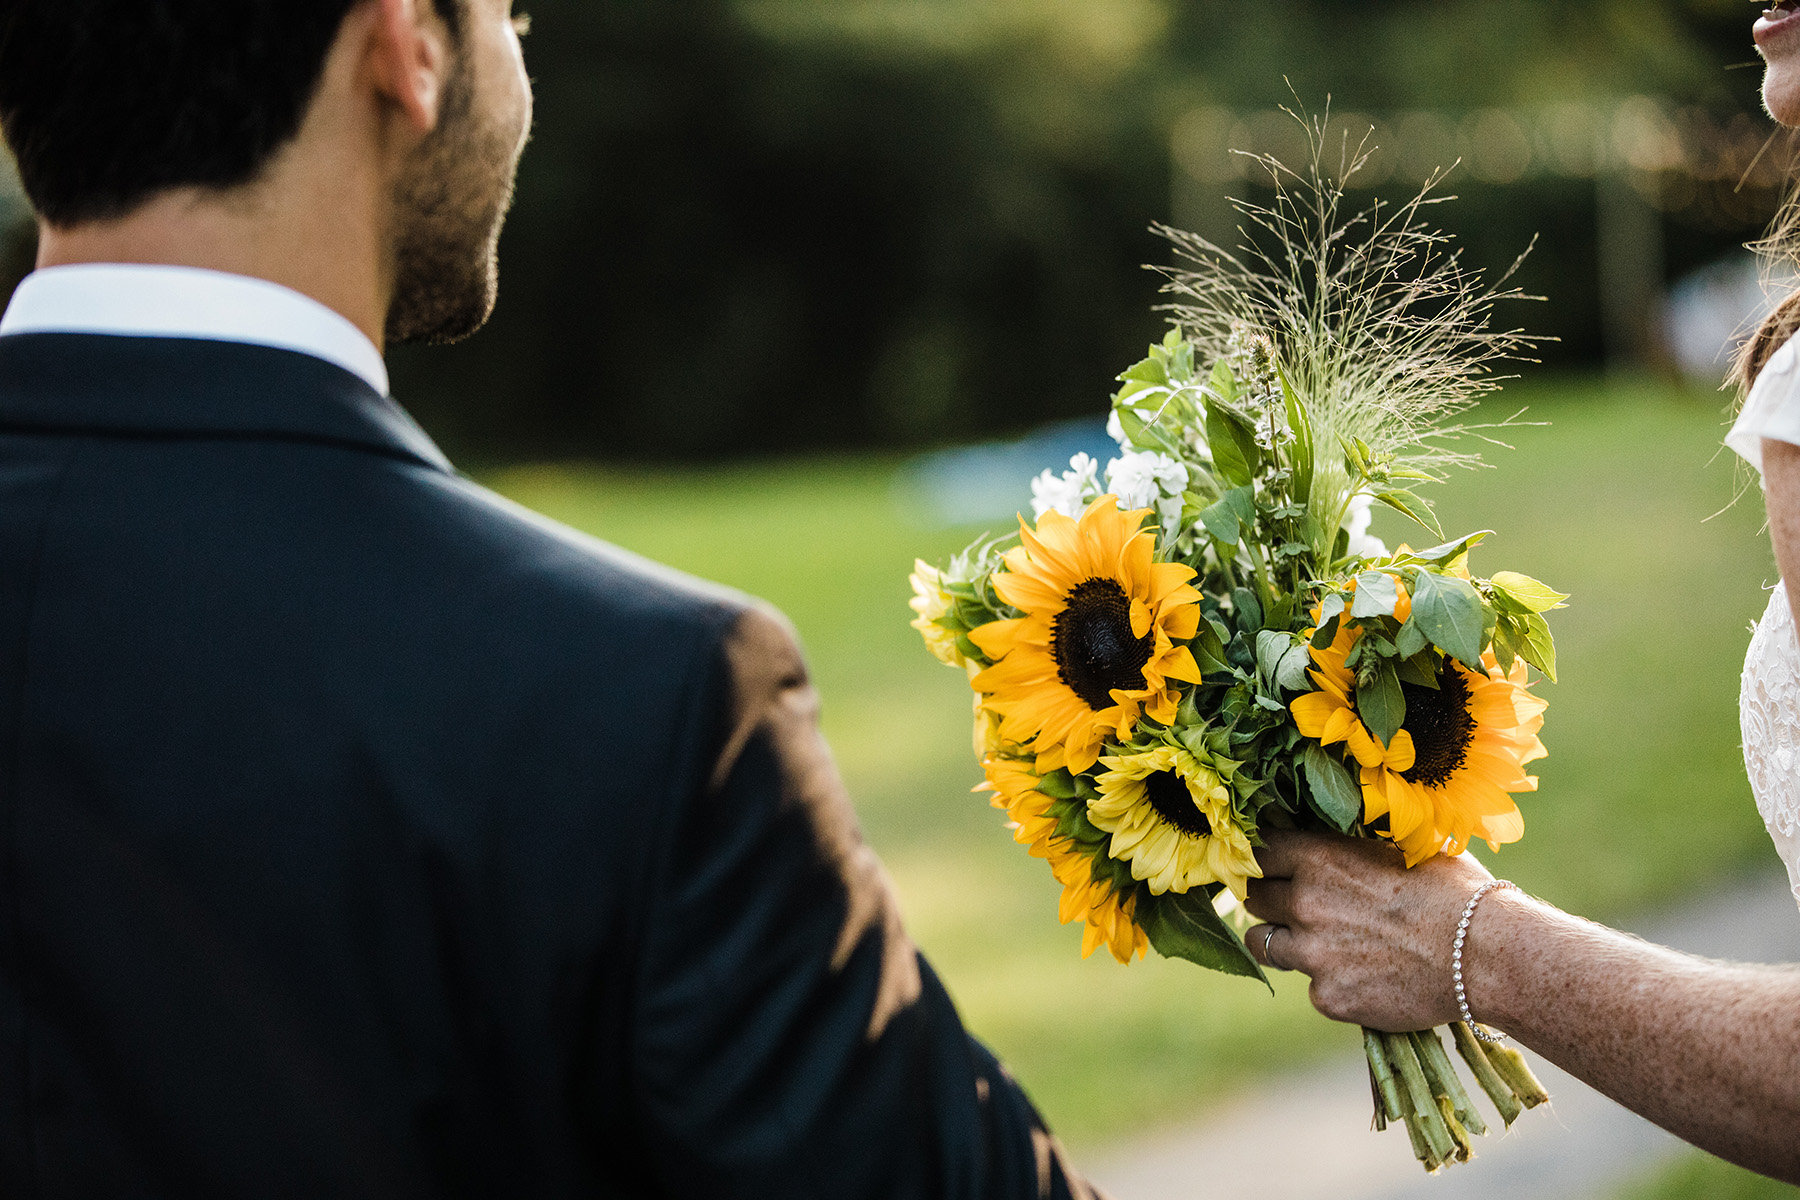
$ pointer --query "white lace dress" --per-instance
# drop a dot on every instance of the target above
(1769, 704)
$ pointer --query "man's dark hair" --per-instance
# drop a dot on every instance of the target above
(107, 102)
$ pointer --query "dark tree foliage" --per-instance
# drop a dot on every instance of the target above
(729, 242)
(722, 245)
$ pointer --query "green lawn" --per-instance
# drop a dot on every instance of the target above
(1643, 794)
(1703, 1177)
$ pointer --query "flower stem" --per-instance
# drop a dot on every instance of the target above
(1512, 1067)
(1496, 1087)
(1465, 1145)
(1421, 1148)
(1387, 1091)
(1405, 1060)
(1443, 1074)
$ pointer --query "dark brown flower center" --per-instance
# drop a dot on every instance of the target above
(1174, 803)
(1092, 643)
(1441, 725)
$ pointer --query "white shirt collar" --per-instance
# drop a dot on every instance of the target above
(130, 300)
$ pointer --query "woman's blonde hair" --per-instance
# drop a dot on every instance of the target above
(1780, 248)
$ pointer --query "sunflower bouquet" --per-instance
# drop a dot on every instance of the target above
(1201, 640)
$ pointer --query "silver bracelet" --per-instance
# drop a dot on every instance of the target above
(1456, 956)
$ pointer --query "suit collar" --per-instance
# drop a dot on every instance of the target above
(173, 387)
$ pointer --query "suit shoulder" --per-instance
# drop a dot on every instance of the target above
(527, 553)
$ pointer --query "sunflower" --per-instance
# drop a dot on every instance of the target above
(1096, 646)
(1449, 773)
(1106, 916)
(1170, 817)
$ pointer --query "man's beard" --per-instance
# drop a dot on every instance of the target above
(450, 203)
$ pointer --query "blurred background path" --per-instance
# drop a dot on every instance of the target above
(1305, 1136)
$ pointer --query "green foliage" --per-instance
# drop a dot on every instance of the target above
(1449, 612)
(1331, 789)
(1185, 925)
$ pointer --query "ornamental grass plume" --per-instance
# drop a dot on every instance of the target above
(1382, 326)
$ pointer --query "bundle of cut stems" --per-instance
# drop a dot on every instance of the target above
(1414, 1082)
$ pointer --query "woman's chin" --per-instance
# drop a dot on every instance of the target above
(1781, 95)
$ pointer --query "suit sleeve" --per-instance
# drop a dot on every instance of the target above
(789, 1040)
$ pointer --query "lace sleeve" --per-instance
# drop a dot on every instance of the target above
(1772, 410)
(1769, 707)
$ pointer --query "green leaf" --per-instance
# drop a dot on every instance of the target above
(1449, 552)
(1420, 670)
(1377, 644)
(1527, 592)
(1376, 595)
(1413, 506)
(1058, 785)
(1222, 522)
(1330, 609)
(1331, 606)
(1143, 434)
(1290, 672)
(1507, 637)
(1301, 425)
(1538, 648)
(1234, 451)
(1185, 925)
(1450, 613)
(1281, 613)
(1224, 382)
(1249, 609)
(1412, 639)
(1235, 512)
(1209, 650)
(1270, 646)
(1381, 704)
(1282, 661)
(1332, 789)
(1148, 371)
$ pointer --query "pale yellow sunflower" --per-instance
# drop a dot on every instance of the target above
(930, 601)
(1096, 648)
(1106, 916)
(1170, 817)
(1450, 772)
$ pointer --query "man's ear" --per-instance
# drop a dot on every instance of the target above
(408, 57)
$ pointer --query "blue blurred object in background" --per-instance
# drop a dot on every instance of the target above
(991, 481)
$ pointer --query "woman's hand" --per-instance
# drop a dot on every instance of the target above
(1374, 936)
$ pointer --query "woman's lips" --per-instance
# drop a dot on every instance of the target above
(1776, 21)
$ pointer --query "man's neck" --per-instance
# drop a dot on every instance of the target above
(317, 248)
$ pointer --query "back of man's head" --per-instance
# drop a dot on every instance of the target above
(105, 103)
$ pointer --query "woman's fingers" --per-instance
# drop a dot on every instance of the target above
(1264, 942)
(1281, 853)
(1271, 900)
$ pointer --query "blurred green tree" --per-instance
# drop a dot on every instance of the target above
(759, 225)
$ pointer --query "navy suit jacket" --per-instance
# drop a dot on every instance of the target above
(362, 834)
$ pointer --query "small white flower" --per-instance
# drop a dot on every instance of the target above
(1068, 494)
(1115, 429)
(1143, 479)
(1356, 523)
